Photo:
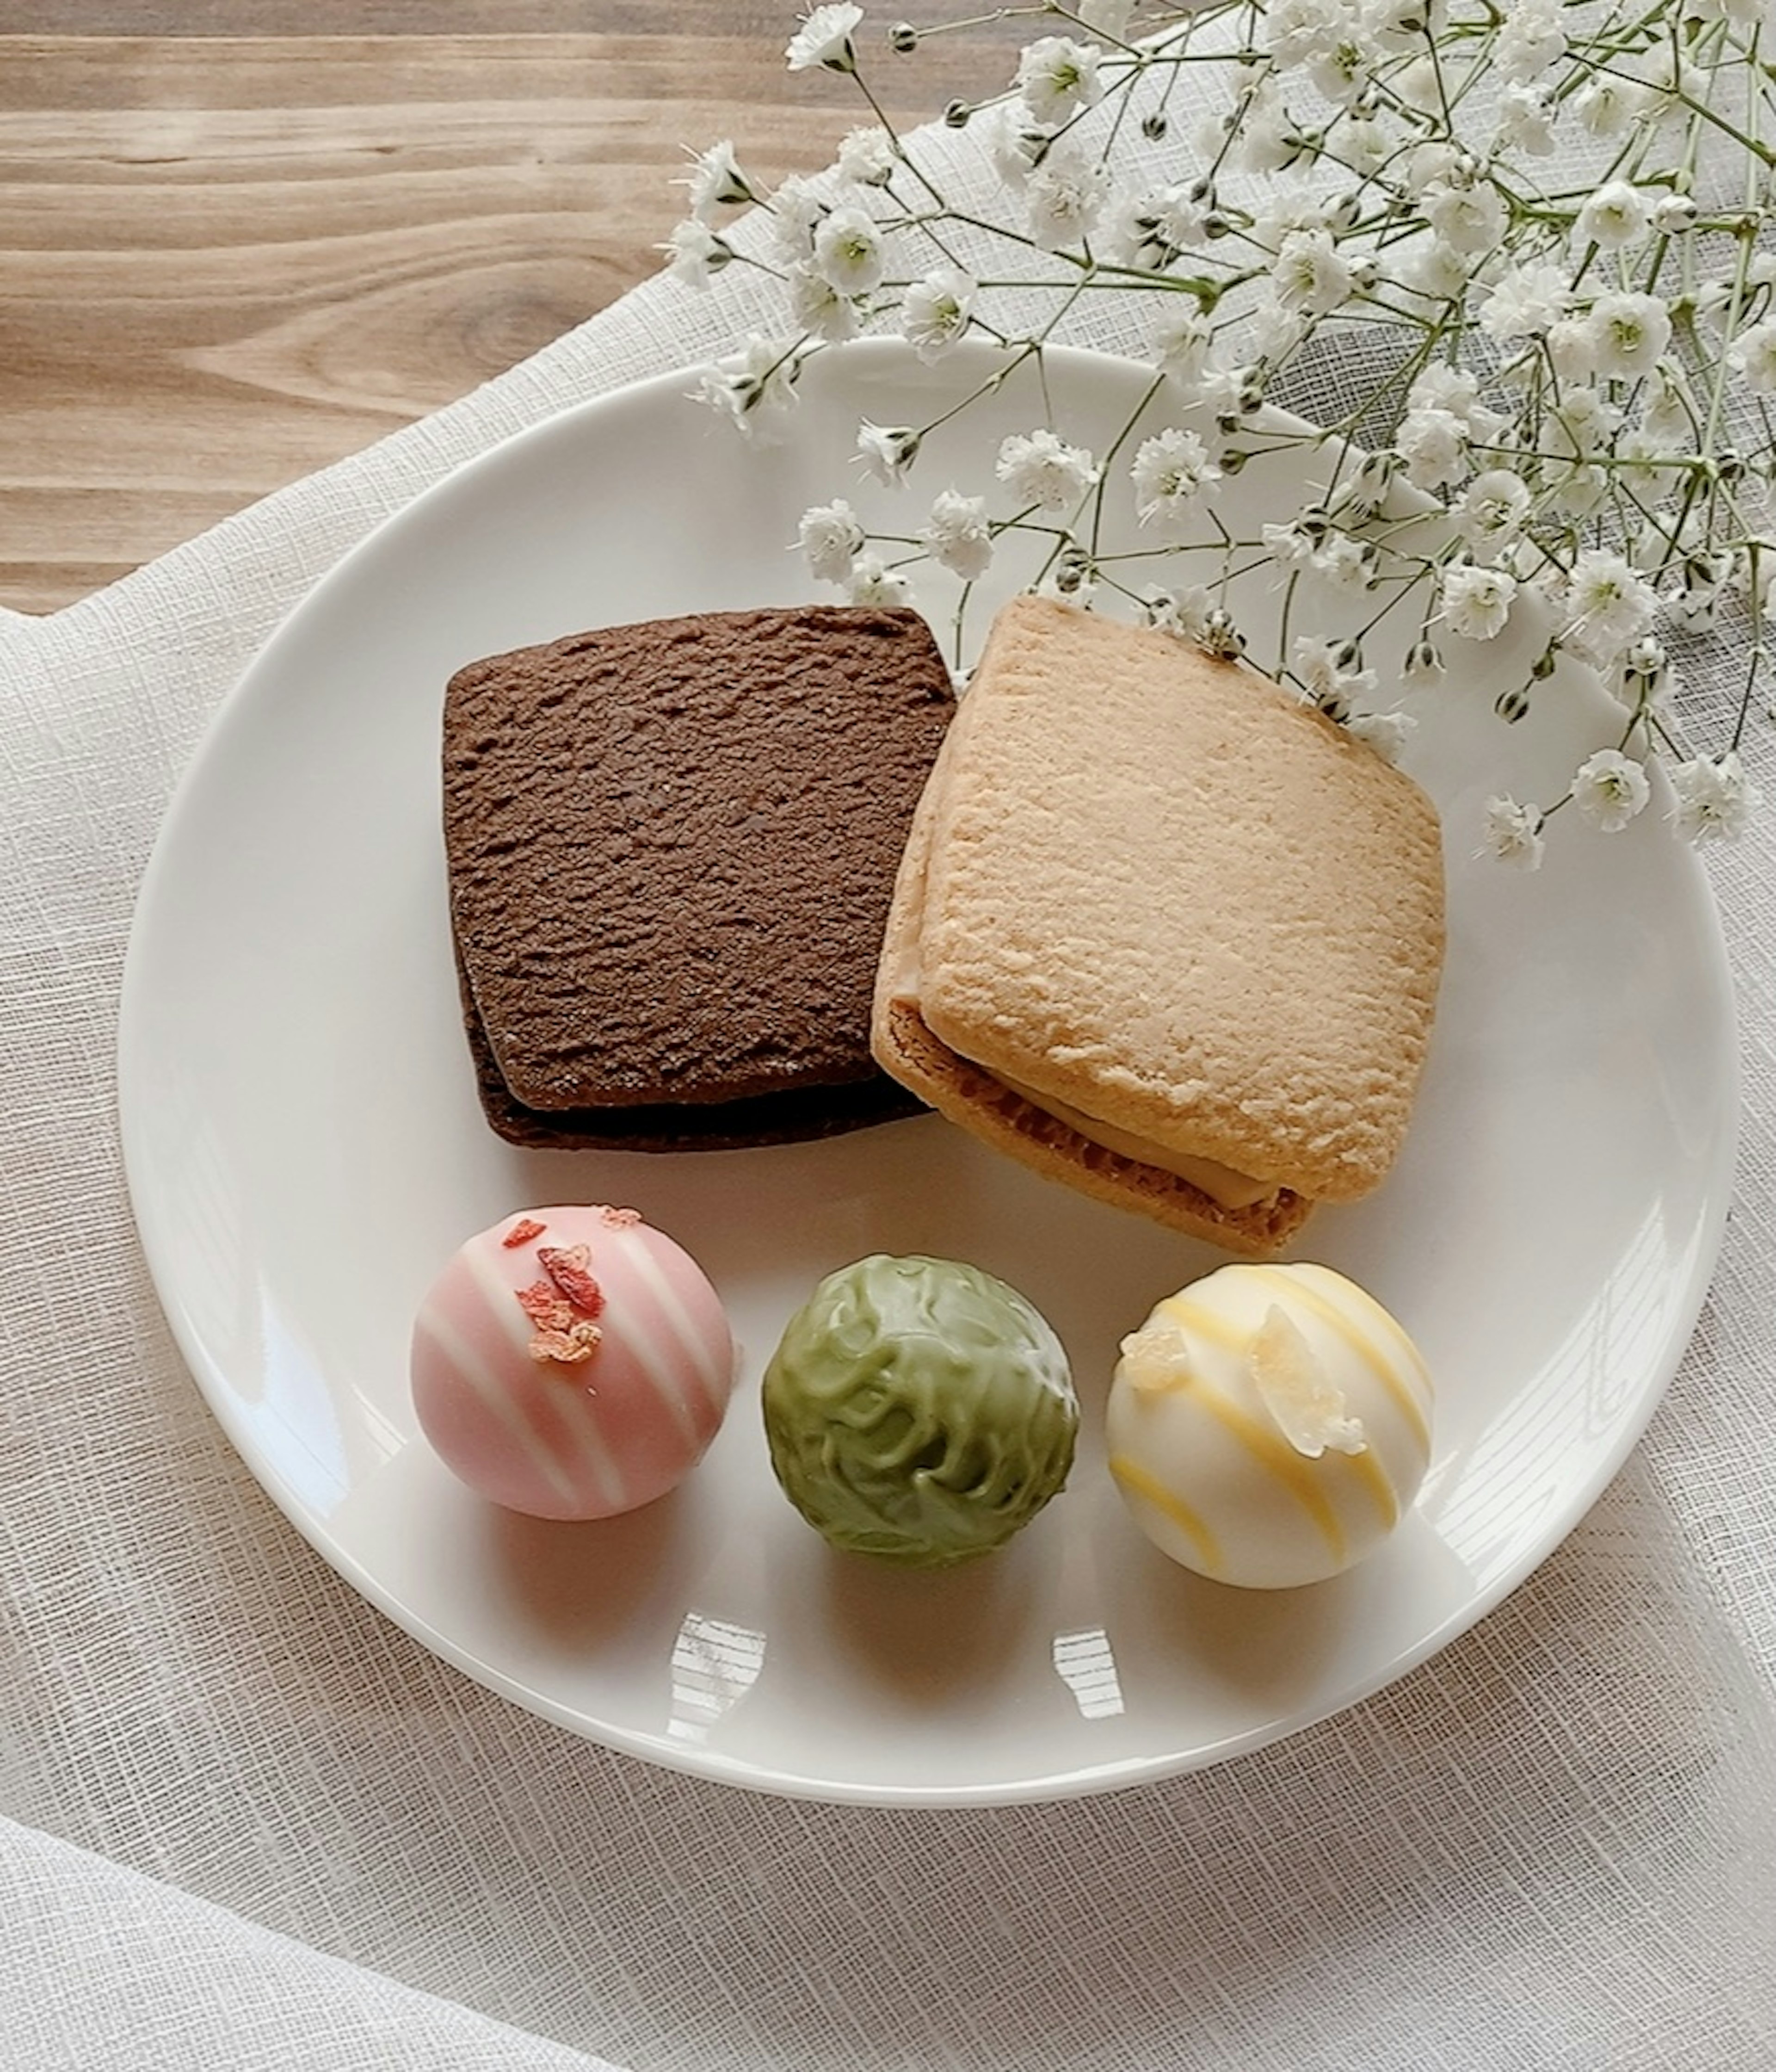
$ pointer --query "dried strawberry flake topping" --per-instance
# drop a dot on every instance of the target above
(522, 1232)
(563, 1307)
(570, 1268)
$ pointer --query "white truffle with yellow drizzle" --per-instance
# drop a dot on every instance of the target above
(1269, 1425)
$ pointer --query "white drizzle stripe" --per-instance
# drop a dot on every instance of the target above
(491, 1393)
(579, 1421)
(575, 1410)
(639, 1334)
(681, 1324)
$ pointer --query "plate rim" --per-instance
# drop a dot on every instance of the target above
(699, 1761)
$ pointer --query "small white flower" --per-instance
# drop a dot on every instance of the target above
(1311, 273)
(1618, 215)
(1527, 116)
(1181, 342)
(1344, 561)
(1063, 198)
(1331, 674)
(1404, 24)
(1441, 387)
(1184, 612)
(1294, 31)
(1272, 331)
(1715, 797)
(1269, 140)
(1468, 220)
(1606, 106)
(1700, 588)
(1513, 834)
(1532, 38)
(1629, 332)
(1572, 347)
(697, 251)
(1475, 602)
(1170, 472)
(1526, 301)
(1611, 605)
(1343, 72)
(819, 307)
(1672, 81)
(1151, 229)
(1431, 269)
(825, 38)
(1581, 492)
(1014, 144)
(831, 539)
(1752, 356)
(1666, 421)
(1057, 77)
(1609, 789)
(717, 182)
(887, 451)
(1385, 732)
(1040, 467)
(1290, 546)
(1492, 510)
(1432, 446)
(795, 208)
(1583, 424)
(873, 582)
(754, 385)
(934, 312)
(848, 251)
(867, 156)
(959, 536)
(1428, 166)
(1364, 145)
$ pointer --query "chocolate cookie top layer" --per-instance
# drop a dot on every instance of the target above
(672, 847)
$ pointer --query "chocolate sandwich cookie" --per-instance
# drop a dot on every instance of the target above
(671, 849)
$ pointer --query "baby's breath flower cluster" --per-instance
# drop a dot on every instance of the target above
(1544, 226)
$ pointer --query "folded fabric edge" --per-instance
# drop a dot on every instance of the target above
(105, 1967)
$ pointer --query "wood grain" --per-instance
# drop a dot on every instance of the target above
(239, 239)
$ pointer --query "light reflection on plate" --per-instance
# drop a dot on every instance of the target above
(304, 1150)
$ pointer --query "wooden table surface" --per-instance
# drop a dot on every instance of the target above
(239, 239)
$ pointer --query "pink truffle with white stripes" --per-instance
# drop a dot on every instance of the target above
(571, 1362)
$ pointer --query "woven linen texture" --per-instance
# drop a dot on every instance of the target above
(1554, 1845)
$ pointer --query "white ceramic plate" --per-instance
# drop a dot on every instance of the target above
(304, 1150)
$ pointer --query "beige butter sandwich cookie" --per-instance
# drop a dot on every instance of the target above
(1163, 931)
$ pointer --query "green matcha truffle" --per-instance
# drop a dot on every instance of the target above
(918, 1410)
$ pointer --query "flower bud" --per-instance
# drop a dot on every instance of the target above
(1153, 126)
(1511, 705)
(903, 38)
(1221, 637)
(956, 115)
